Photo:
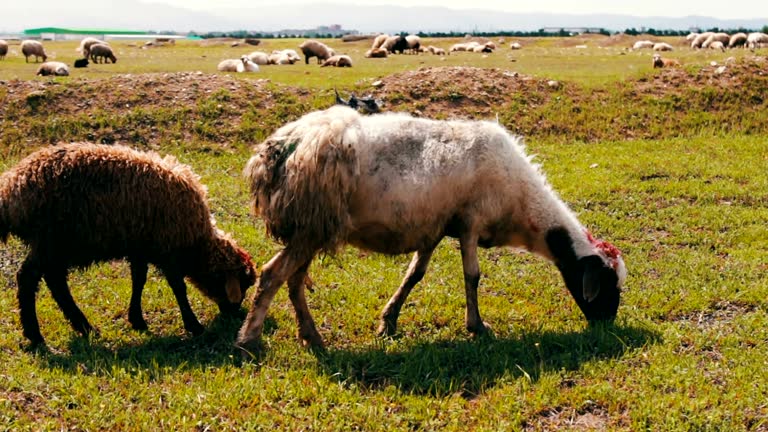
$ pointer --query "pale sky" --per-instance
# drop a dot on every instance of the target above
(741, 9)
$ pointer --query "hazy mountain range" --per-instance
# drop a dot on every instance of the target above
(135, 15)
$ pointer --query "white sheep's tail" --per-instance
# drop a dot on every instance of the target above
(302, 176)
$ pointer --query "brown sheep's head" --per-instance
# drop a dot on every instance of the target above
(227, 276)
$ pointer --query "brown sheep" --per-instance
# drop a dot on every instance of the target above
(53, 68)
(33, 48)
(313, 180)
(79, 204)
(661, 62)
(102, 51)
(312, 48)
(376, 53)
(86, 43)
(338, 61)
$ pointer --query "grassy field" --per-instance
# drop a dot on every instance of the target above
(688, 208)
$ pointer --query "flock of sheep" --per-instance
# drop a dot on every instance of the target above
(707, 40)
(97, 50)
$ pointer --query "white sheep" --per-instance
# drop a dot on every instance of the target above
(33, 48)
(757, 40)
(717, 45)
(642, 44)
(283, 57)
(700, 39)
(379, 41)
(259, 57)
(691, 36)
(395, 184)
(662, 46)
(515, 46)
(414, 43)
(3, 49)
(723, 38)
(376, 53)
(436, 51)
(53, 68)
(243, 64)
(313, 48)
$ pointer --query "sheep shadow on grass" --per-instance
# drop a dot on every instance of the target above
(470, 367)
(214, 348)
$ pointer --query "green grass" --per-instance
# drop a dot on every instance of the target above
(689, 210)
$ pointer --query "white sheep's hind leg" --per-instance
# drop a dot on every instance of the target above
(416, 271)
(273, 274)
(307, 332)
(473, 322)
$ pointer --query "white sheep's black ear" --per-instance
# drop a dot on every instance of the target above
(591, 279)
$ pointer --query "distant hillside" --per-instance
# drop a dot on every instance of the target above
(133, 14)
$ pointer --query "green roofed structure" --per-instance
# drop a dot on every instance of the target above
(54, 33)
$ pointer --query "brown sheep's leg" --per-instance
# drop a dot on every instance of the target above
(307, 331)
(27, 279)
(138, 280)
(191, 324)
(56, 279)
(273, 274)
(473, 322)
(416, 271)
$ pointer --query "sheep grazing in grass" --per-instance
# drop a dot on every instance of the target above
(662, 46)
(396, 44)
(414, 43)
(312, 48)
(395, 184)
(33, 48)
(376, 53)
(723, 38)
(737, 40)
(338, 61)
(757, 40)
(661, 62)
(3, 49)
(515, 46)
(103, 52)
(700, 39)
(86, 43)
(378, 41)
(717, 45)
(53, 68)
(78, 204)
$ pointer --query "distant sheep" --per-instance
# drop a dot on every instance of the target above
(284, 57)
(436, 51)
(378, 41)
(243, 64)
(700, 39)
(737, 40)
(464, 46)
(258, 57)
(717, 45)
(338, 61)
(396, 44)
(662, 46)
(3, 49)
(312, 48)
(86, 43)
(691, 36)
(33, 48)
(78, 204)
(376, 53)
(53, 68)
(642, 44)
(414, 43)
(81, 63)
(484, 48)
(661, 62)
(313, 180)
(103, 52)
(515, 46)
(757, 40)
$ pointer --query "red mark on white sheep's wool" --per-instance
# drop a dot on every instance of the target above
(612, 252)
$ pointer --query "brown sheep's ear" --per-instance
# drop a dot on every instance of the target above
(234, 295)
(591, 281)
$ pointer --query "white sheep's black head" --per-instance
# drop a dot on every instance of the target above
(366, 105)
(594, 280)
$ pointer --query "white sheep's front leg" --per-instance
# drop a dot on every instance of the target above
(473, 322)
